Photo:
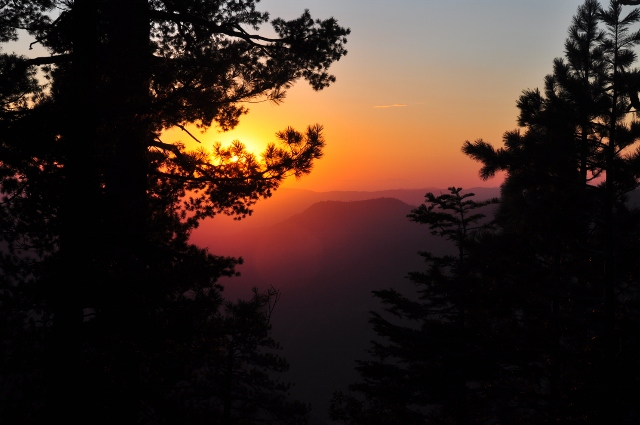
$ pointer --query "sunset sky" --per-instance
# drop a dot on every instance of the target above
(420, 78)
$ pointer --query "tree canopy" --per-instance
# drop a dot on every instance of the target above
(537, 319)
(190, 62)
(96, 208)
(429, 343)
(566, 222)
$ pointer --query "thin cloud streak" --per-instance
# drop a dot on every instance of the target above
(395, 105)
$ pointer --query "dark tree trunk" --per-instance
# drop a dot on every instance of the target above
(608, 411)
(123, 136)
(76, 214)
(103, 214)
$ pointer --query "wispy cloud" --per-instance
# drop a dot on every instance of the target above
(395, 105)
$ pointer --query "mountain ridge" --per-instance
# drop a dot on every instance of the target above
(326, 260)
(286, 202)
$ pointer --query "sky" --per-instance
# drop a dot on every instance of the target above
(421, 77)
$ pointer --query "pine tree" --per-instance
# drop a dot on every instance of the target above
(429, 364)
(225, 365)
(98, 208)
(566, 222)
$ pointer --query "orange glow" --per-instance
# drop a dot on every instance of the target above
(405, 101)
(407, 97)
(254, 141)
(369, 147)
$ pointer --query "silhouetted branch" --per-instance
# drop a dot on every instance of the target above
(166, 147)
(211, 179)
(160, 15)
(273, 296)
(48, 60)
(181, 127)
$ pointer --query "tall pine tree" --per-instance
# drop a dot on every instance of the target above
(563, 200)
(98, 208)
(429, 363)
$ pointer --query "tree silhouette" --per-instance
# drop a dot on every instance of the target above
(431, 352)
(223, 365)
(564, 201)
(93, 198)
(547, 319)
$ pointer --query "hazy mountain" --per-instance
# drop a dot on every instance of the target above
(287, 202)
(326, 260)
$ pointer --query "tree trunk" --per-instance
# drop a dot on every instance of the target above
(103, 214)
(78, 227)
(124, 134)
(609, 386)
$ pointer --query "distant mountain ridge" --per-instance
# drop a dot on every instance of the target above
(326, 260)
(325, 252)
(287, 202)
(355, 213)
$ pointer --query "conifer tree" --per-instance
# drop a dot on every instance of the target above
(429, 353)
(97, 206)
(225, 365)
(563, 199)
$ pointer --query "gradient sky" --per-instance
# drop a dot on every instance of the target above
(420, 78)
(457, 68)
